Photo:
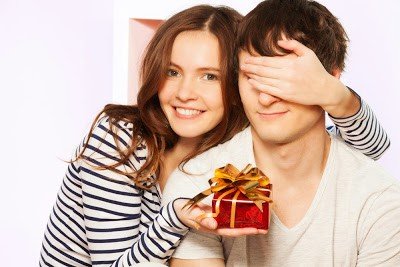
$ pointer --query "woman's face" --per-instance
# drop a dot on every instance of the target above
(191, 96)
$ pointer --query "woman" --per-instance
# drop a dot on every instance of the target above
(108, 208)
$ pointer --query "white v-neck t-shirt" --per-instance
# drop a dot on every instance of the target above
(354, 218)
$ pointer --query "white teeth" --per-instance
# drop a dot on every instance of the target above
(187, 112)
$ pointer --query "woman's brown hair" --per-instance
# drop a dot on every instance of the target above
(150, 125)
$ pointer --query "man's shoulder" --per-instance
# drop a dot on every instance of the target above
(361, 172)
(230, 151)
(233, 145)
(193, 177)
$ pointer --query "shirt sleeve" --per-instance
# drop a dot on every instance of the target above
(96, 220)
(197, 245)
(379, 239)
(159, 242)
(362, 131)
(65, 242)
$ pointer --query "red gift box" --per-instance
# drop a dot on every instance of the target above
(241, 212)
(241, 198)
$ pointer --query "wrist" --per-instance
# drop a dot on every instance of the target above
(178, 205)
(343, 103)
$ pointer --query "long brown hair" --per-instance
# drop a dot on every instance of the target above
(150, 125)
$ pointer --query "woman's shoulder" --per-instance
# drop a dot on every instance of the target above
(109, 137)
(113, 132)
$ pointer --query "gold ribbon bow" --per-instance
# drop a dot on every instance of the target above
(229, 179)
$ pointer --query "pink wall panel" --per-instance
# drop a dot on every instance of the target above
(140, 33)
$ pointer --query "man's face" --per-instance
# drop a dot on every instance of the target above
(274, 120)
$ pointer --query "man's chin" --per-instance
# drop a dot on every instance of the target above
(276, 135)
(276, 140)
(273, 138)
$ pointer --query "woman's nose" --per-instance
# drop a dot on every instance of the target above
(186, 90)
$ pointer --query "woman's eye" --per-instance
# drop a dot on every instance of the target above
(172, 73)
(210, 77)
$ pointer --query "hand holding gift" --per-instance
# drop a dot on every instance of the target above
(241, 200)
(193, 217)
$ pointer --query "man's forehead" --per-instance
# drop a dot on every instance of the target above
(244, 53)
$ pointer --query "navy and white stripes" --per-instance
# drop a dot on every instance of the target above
(101, 218)
(363, 132)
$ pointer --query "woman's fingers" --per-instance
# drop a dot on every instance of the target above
(277, 62)
(209, 223)
(267, 89)
(199, 221)
(204, 207)
(262, 71)
(293, 45)
(235, 232)
(265, 80)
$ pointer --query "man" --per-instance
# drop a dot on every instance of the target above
(332, 205)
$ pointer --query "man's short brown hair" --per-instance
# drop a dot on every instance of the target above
(306, 21)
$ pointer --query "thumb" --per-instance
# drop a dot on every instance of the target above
(293, 45)
(204, 207)
(209, 223)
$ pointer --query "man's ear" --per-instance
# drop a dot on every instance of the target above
(336, 72)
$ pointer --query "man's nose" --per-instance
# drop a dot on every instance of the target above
(266, 99)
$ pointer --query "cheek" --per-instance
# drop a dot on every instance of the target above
(166, 92)
(308, 112)
(213, 98)
(306, 116)
(245, 88)
(216, 104)
(248, 96)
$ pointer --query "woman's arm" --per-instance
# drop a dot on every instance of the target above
(102, 219)
(362, 130)
(65, 241)
(157, 242)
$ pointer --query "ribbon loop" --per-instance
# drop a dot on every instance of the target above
(229, 179)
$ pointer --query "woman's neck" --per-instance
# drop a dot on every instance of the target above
(174, 156)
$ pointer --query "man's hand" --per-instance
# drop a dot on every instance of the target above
(191, 217)
(300, 77)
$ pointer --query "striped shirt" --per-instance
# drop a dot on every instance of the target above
(101, 218)
(362, 131)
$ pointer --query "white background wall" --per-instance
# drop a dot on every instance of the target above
(56, 72)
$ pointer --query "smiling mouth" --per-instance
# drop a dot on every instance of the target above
(187, 113)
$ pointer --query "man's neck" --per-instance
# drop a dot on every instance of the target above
(300, 161)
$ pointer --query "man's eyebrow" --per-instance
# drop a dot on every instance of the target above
(206, 68)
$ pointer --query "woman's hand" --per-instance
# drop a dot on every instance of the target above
(191, 218)
(300, 77)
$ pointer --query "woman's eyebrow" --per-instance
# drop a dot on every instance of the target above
(204, 68)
